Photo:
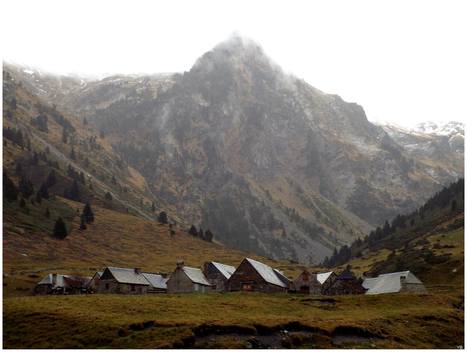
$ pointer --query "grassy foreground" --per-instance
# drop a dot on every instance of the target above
(234, 320)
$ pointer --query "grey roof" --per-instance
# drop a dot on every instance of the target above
(267, 273)
(322, 277)
(48, 280)
(369, 282)
(282, 277)
(226, 270)
(156, 280)
(389, 283)
(128, 276)
(63, 280)
(196, 275)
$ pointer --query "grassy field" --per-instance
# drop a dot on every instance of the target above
(234, 320)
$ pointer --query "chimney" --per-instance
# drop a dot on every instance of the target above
(180, 264)
(138, 271)
(54, 279)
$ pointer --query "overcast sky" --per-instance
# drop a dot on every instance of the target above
(403, 61)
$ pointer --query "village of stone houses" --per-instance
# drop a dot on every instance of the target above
(249, 276)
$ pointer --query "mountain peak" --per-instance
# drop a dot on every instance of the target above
(239, 44)
(235, 51)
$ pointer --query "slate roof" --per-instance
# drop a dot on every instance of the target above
(322, 277)
(226, 270)
(346, 275)
(267, 273)
(282, 277)
(369, 282)
(156, 280)
(196, 275)
(48, 280)
(389, 283)
(128, 276)
(64, 280)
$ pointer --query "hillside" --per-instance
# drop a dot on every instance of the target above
(429, 242)
(40, 138)
(113, 239)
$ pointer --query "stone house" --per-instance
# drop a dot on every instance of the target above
(326, 279)
(62, 284)
(306, 283)
(157, 282)
(94, 282)
(217, 274)
(186, 279)
(130, 281)
(252, 275)
(345, 283)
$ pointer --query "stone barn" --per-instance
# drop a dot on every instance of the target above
(403, 281)
(326, 279)
(157, 282)
(123, 280)
(131, 281)
(186, 279)
(252, 275)
(345, 284)
(307, 283)
(62, 284)
(93, 284)
(217, 274)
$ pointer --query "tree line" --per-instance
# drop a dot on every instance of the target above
(445, 198)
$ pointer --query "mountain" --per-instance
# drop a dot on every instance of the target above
(442, 145)
(266, 161)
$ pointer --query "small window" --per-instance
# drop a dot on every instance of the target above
(133, 288)
(107, 286)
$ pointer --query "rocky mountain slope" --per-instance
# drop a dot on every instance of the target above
(436, 144)
(268, 162)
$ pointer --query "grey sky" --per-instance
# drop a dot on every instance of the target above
(403, 61)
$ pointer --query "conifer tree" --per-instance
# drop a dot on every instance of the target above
(26, 187)
(162, 218)
(60, 230)
(88, 214)
(193, 231)
(43, 191)
(38, 197)
(51, 179)
(74, 192)
(73, 154)
(82, 225)
(208, 235)
(10, 192)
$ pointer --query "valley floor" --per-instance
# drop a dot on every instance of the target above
(235, 320)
